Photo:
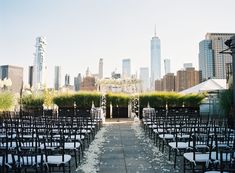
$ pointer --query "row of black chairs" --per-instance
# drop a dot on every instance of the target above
(188, 136)
(42, 143)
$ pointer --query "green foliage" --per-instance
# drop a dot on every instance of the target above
(119, 99)
(64, 100)
(172, 99)
(82, 99)
(6, 101)
(48, 98)
(32, 101)
(193, 100)
(225, 101)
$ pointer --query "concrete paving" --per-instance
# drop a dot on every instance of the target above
(126, 149)
(128, 152)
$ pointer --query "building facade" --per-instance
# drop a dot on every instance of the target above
(30, 79)
(168, 82)
(88, 84)
(155, 71)
(158, 85)
(126, 68)
(15, 75)
(39, 64)
(67, 80)
(186, 79)
(100, 76)
(57, 78)
(211, 62)
(167, 66)
(77, 82)
(144, 78)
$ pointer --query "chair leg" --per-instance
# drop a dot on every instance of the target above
(175, 158)
(75, 156)
(169, 156)
(63, 168)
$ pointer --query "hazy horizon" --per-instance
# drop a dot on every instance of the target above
(79, 33)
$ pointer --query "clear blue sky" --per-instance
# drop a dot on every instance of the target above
(79, 32)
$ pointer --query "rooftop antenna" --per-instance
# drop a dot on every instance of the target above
(155, 33)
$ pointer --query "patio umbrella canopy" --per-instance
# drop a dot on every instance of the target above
(207, 86)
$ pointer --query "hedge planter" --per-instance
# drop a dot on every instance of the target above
(66, 111)
(83, 112)
(120, 112)
(107, 112)
(33, 111)
(48, 112)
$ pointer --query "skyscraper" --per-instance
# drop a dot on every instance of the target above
(126, 68)
(77, 82)
(15, 74)
(167, 65)
(39, 64)
(186, 78)
(67, 80)
(57, 79)
(155, 60)
(100, 68)
(211, 62)
(30, 79)
(144, 78)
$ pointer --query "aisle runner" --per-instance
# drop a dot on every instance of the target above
(156, 158)
(91, 156)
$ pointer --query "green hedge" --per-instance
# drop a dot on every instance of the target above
(6, 101)
(64, 100)
(85, 99)
(119, 99)
(32, 101)
(172, 99)
(82, 99)
(193, 100)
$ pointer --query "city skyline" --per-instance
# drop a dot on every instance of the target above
(77, 35)
(155, 60)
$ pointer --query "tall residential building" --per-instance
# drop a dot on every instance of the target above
(144, 78)
(39, 64)
(67, 80)
(30, 79)
(158, 85)
(77, 82)
(167, 65)
(126, 68)
(168, 82)
(155, 61)
(211, 62)
(186, 78)
(100, 68)
(15, 74)
(57, 78)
